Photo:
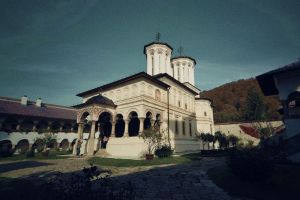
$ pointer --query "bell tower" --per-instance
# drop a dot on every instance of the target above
(184, 68)
(158, 55)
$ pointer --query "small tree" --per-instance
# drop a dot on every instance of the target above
(46, 140)
(203, 138)
(254, 106)
(233, 139)
(222, 139)
(210, 138)
(153, 138)
(206, 138)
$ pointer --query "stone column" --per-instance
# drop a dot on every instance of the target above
(19, 125)
(34, 128)
(30, 147)
(49, 126)
(91, 141)
(163, 65)
(156, 62)
(79, 136)
(61, 126)
(175, 71)
(180, 133)
(141, 124)
(149, 63)
(181, 73)
(126, 134)
(186, 73)
(72, 127)
(113, 129)
(168, 63)
(192, 75)
(70, 145)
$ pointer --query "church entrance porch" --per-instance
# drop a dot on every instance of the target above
(104, 126)
(95, 124)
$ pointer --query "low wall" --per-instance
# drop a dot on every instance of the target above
(126, 147)
(234, 129)
(185, 145)
(15, 137)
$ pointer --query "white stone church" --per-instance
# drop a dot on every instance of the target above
(166, 96)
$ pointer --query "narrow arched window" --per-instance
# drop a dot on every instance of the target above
(157, 95)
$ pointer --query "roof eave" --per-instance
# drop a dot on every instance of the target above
(129, 78)
(267, 84)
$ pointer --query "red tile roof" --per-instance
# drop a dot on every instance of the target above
(9, 106)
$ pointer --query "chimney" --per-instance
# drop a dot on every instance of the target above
(38, 102)
(24, 100)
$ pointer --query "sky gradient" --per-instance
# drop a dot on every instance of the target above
(57, 49)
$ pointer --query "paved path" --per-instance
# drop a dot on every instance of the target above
(179, 182)
(174, 182)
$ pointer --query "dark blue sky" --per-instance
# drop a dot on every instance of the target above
(56, 49)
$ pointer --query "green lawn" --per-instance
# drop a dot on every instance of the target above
(284, 184)
(38, 156)
(135, 163)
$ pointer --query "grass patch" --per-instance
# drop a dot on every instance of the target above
(135, 163)
(284, 183)
(38, 156)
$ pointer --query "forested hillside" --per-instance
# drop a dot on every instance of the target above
(230, 101)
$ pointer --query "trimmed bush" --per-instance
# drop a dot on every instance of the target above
(31, 153)
(164, 151)
(250, 164)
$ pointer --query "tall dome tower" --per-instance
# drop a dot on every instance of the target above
(184, 69)
(158, 55)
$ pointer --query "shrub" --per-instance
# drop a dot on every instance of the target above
(163, 151)
(250, 164)
(31, 153)
(152, 138)
(91, 183)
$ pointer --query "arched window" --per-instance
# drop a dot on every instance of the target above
(157, 95)
(205, 114)
(134, 124)
(147, 121)
(120, 126)
(104, 124)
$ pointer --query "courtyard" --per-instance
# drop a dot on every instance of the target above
(176, 178)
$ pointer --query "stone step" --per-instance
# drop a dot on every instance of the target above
(102, 153)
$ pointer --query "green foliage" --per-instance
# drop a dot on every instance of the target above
(163, 151)
(222, 139)
(264, 132)
(250, 164)
(229, 101)
(206, 138)
(233, 139)
(46, 140)
(91, 183)
(254, 106)
(153, 138)
(136, 163)
(31, 153)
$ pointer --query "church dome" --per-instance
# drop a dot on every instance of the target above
(100, 100)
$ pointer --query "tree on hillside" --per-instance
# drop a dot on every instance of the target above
(229, 101)
(254, 109)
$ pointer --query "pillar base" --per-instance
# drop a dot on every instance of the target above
(91, 147)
